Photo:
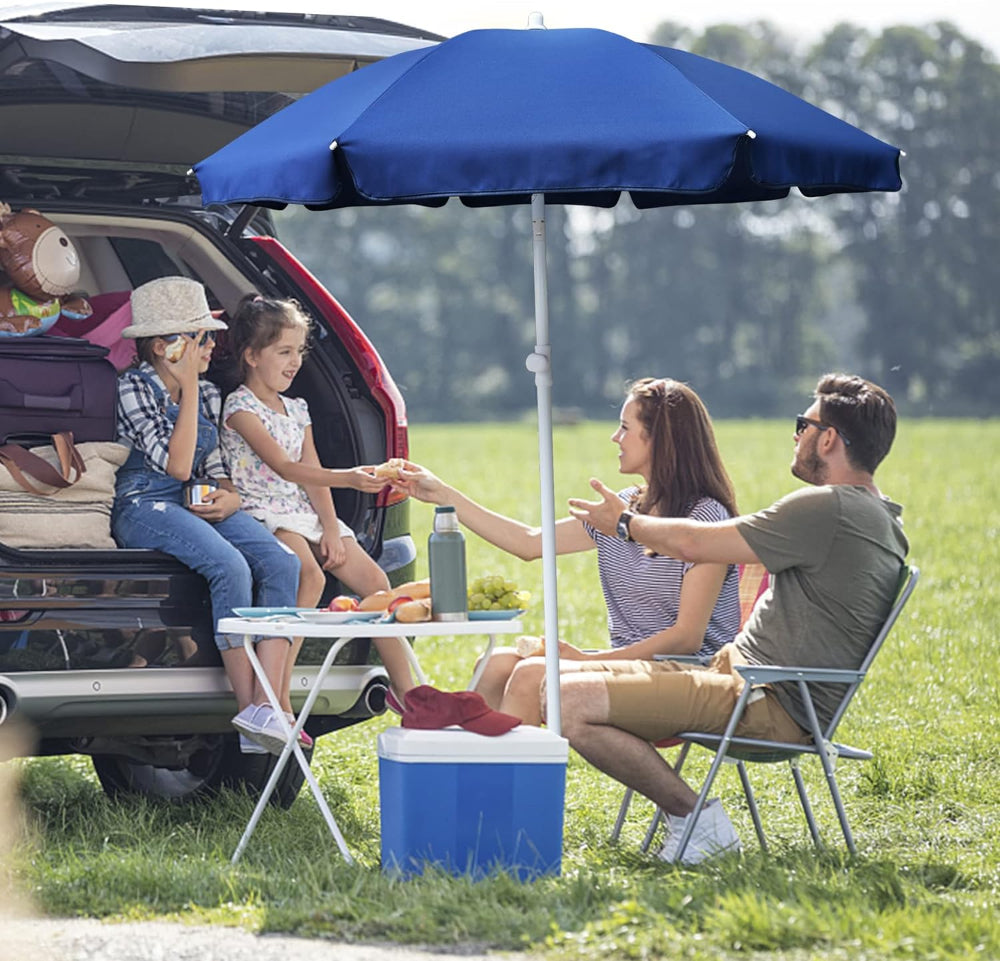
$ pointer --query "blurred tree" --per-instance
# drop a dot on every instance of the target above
(924, 260)
(748, 302)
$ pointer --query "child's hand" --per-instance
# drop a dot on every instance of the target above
(332, 550)
(217, 505)
(363, 479)
(187, 369)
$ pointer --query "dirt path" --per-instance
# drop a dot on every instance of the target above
(60, 939)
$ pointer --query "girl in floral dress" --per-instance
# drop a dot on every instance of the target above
(267, 442)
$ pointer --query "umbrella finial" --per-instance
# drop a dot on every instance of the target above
(536, 21)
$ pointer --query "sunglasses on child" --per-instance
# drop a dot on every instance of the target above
(209, 335)
(802, 423)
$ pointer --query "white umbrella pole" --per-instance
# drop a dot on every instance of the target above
(540, 363)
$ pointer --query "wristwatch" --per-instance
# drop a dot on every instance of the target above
(622, 527)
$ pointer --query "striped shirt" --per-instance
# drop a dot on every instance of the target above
(643, 593)
(143, 422)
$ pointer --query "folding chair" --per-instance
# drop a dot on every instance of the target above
(743, 750)
(753, 582)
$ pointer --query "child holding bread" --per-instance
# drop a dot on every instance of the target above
(268, 444)
(169, 414)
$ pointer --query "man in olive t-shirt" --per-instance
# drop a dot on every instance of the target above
(834, 552)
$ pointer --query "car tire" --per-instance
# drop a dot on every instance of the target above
(219, 764)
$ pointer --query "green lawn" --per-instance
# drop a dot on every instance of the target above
(925, 812)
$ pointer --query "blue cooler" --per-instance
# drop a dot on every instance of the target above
(471, 804)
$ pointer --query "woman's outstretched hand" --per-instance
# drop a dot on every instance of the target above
(420, 483)
(602, 514)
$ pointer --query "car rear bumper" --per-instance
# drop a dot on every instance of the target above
(150, 701)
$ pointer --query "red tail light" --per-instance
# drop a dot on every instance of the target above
(360, 348)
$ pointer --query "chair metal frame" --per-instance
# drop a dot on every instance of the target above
(742, 750)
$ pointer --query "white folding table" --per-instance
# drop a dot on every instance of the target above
(338, 634)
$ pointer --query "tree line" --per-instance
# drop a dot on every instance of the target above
(748, 302)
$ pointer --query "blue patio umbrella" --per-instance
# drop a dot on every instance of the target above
(546, 116)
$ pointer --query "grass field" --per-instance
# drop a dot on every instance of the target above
(925, 812)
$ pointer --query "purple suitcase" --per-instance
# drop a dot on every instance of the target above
(50, 384)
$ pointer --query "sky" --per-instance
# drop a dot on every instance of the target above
(979, 19)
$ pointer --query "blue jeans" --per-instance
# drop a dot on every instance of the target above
(243, 562)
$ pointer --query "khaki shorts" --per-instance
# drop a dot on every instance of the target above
(658, 699)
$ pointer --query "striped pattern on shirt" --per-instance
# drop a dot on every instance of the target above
(642, 593)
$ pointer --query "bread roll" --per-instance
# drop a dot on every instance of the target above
(413, 611)
(417, 590)
(527, 645)
(378, 601)
(175, 351)
(390, 469)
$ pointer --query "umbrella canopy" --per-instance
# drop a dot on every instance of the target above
(493, 116)
(567, 116)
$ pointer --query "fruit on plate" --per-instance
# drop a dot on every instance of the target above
(343, 602)
(492, 593)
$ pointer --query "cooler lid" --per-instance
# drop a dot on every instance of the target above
(454, 745)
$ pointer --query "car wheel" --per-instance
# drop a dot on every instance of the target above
(217, 764)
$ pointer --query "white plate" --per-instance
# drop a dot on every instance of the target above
(339, 617)
(271, 613)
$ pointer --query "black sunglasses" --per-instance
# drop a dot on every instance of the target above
(194, 335)
(802, 422)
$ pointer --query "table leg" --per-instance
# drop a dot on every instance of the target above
(292, 747)
(414, 663)
(481, 666)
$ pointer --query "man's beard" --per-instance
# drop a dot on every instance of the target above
(809, 466)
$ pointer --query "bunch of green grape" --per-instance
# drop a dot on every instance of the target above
(493, 593)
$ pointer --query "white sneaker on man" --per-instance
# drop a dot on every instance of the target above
(713, 835)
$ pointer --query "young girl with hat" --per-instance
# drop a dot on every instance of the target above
(169, 415)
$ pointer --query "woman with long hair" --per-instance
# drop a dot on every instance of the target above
(656, 604)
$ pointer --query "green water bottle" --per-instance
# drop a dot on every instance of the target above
(446, 556)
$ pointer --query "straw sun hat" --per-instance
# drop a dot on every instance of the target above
(170, 305)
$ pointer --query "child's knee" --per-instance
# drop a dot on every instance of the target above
(312, 579)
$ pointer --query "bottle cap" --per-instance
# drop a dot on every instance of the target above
(444, 510)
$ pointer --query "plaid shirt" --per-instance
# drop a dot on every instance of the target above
(143, 421)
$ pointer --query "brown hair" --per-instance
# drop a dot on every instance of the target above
(258, 323)
(862, 412)
(686, 465)
(144, 351)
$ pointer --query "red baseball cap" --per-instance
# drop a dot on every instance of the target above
(430, 709)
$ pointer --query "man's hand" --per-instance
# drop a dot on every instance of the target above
(602, 514)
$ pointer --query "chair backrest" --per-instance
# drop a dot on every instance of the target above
(754, 580)
(908, 577)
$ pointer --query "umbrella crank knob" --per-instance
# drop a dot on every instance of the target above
(540, 365)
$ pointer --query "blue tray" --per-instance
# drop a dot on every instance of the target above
(494, 615)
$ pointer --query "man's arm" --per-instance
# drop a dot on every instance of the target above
(688, 540)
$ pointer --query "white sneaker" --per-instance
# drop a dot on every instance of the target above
(251, 747)
(713, 835)
(271, 732)
(247, 722)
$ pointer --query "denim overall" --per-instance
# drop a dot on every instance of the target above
(242, 561)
